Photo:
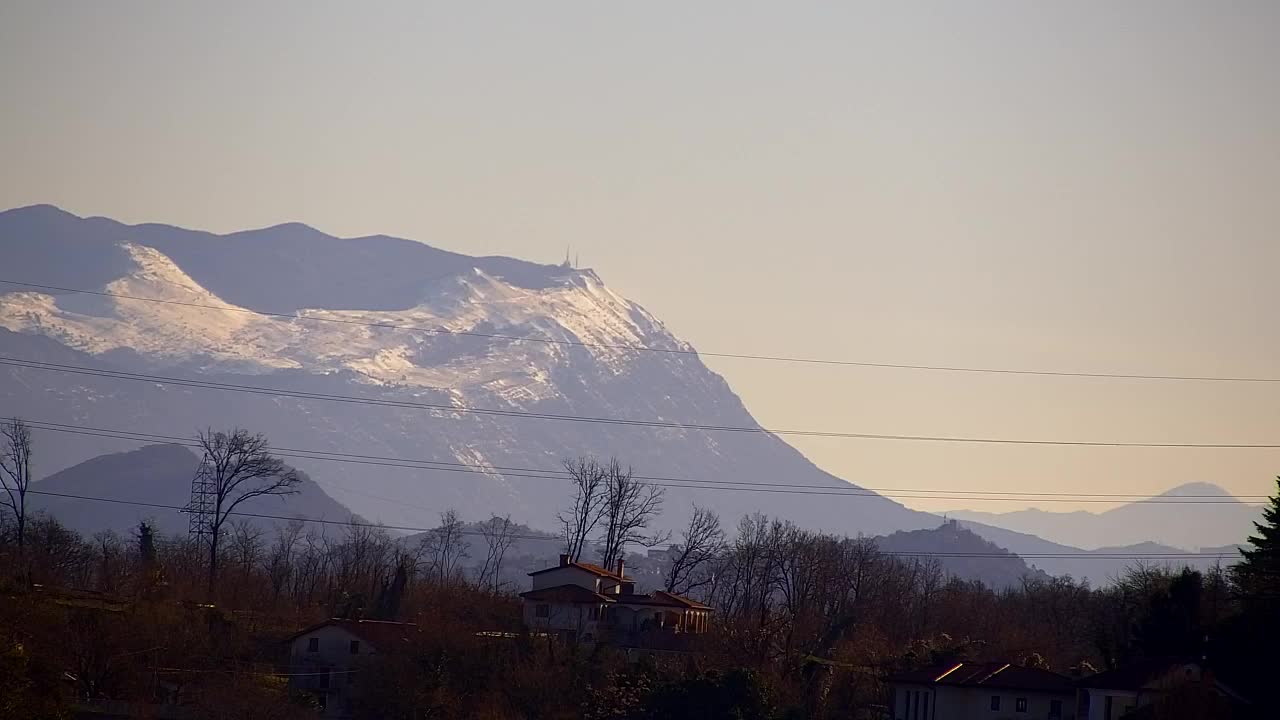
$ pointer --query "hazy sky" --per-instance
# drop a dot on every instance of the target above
(1065, 186)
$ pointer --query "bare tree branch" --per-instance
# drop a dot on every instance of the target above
(15, 473)
(703, 542)
(239, 466)
(588, 478)
(446, 548)
(498, 536)
(629, 507)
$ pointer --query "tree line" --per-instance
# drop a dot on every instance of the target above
(807, 624)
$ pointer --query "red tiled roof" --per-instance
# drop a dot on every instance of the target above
(660, 599)
(593, 569)
(380, 634)
(991, 675)
(636, 599)
(578, 594)
(681, 600)
(566, 593)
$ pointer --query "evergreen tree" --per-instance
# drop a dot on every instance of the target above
(1172, 624)
(387, 606)
(146, 546)
(1258, 574)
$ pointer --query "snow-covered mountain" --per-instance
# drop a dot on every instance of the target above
(362, 318)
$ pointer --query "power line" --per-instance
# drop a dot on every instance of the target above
(645, 348)
(552, 538)
(565, 474)
(686, 483)
(293, 453)
(435, 407)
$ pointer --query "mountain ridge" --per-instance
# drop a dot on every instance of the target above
(590, 370)
(159, 475)
(388, 295)
(1221, 520)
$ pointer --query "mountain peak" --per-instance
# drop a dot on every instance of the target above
(291, 228)
(39, 210)
(162, 475)
(393, 321)
(1197, 488)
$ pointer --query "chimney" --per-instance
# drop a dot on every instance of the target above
(621, 568)
(564, 561)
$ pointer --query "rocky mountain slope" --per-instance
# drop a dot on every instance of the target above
(396, 324)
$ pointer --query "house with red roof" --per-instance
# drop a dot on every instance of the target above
(587, 603)
(991, 691)
(1135, 689)
(326, 658)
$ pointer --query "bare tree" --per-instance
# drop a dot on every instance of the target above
(498, 536)
(281, 558)
(445, 548)
(362, 562)
(15, 473)
(110, 551)
(237, 467)
(246, 545)
(314, 565)
(702, 542)
(588, 478)
(629, 506)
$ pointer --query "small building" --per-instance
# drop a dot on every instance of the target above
(663, 554)
(990, 691)
(586, 603)
(1123, 692)
(326, 658)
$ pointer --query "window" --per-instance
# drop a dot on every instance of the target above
(1055, 709)
(313, 644)
(995, 702)
(542, 611)
(355, 647)
(324, 678)
(595, 612)
(1020, 705)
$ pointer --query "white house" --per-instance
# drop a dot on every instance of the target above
(1112, 694)
(982, 691)
(326, 658)
(587, 603)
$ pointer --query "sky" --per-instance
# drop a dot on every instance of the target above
(1073, 186)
